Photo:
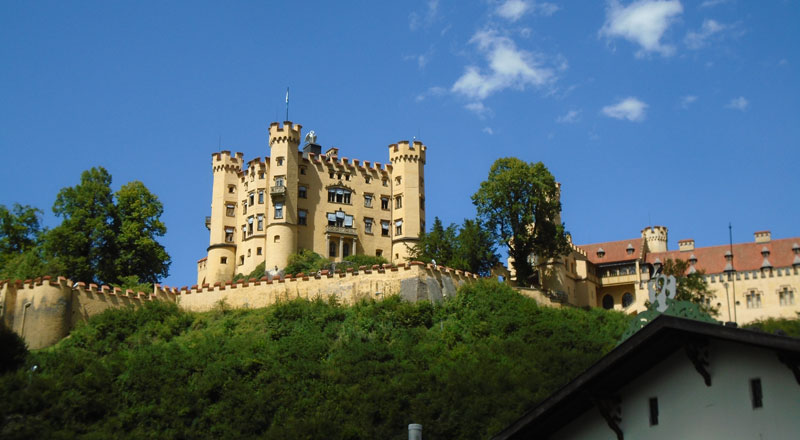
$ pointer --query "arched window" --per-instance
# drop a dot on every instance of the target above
(608, 302)
(627, 299)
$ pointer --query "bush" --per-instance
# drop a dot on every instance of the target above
(365, 260)
(305, 261)
(13, 352)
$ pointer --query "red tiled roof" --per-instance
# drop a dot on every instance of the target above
(615, 251)
(746, 256)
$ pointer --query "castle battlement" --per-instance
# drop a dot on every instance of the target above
(403, 150)
(287, 132)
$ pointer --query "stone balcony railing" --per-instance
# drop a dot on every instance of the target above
(341, 230)
(277, 191)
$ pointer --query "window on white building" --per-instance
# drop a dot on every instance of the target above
(368, 225)
(753, 300)
(260, 222)
(385, 228)
(279, 210)
(786, 296)
(398, 227)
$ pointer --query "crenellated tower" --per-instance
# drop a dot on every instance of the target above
(220, 264)
(656, 238)
(408, 196)
(284, 142)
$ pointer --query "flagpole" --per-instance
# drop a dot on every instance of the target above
(287, 104)
(733, 271)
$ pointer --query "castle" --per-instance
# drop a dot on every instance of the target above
(748, 281)
(267, 209)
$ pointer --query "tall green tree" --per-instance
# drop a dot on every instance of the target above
(138, 220)
(690, 286)
(519, 203)
(469, 247)
(439, 244)
(21, 252)
(476, 248)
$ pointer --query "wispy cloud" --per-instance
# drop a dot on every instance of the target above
(688, 100)
(478, 108)
(488, 130)
(712, 3)
(643, 22)
(513, 10)
(570, 117)
(629, 108)
(433, 91)
(418, 20)
(696, 40)
(739, 103)
(507, 67)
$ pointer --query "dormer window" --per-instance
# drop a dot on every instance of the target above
(764, 252)
(601, 253)
(629, 250)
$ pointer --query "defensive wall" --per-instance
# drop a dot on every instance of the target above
(44, 310)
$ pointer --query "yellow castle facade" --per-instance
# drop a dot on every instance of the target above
(266, 209)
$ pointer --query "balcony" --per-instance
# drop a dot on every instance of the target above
(611, 280)
(208, 222)
(277, 191)
(341, 230)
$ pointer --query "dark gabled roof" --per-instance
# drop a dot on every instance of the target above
(652, 344)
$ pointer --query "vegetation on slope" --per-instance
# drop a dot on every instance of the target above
(464, 369)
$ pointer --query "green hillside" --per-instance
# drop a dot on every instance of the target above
(464, 368)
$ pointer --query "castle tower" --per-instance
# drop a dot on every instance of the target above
(656, 238)
(221, 262)
(284, 142)
(408, 197)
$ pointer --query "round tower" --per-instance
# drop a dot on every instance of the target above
(656, 238)
(281, 230)
(408, 197)
(221, 261)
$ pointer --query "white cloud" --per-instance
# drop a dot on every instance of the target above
(488, 130)
(739, 103)
(513, 10)
(433, 91)
(417, 20)
(629, 108)
(696, 40)
(712, 3)
(688, 100)
(643, 22)
(508, 67)
(570, 117)
(478, 108)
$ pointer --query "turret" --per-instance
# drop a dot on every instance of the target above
(408, 196)
(656, 238)
(222, 225)
(281, 231)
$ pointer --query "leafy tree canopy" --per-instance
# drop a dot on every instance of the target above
(469, 247)
(690, 286)
(519, 203)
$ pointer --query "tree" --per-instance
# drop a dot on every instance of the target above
(106, 237)
(21, 253)
(690, 286)
(138, 213)
(469, 247)
(519, 204)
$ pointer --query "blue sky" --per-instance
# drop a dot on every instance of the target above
(675, 113)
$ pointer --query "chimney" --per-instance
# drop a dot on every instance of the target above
(686, 245)
(762, 236)
(414, 431)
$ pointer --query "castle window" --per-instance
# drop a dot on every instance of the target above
(231, 189)
(368, 200)
(250, 225)
(367, 179)
(279, 210)
(252, 199)
(398, 227)
(368, 225)
(279, 161)
(332, 249)
(340, 219)
(786, 296)
(302, 192)
(279, 180)
(302, 217)
(261, 196)
(249, 253)
(276, 239)
(261, 175)
(345, 249)
(223, 260)
(385, 228)
(260, 222)
(303, 170)
(398, 202)
(228, 235)
(339, 195)
(753, 300)
(339, 176)
(331, 174)
(347, 177)
(385, 203)
(241, 260)
(230, 210)
(258, 251)
(244, 206)
(627, 299)
(378, 252)
(397, 180)
(385, 182)
(608, 302)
